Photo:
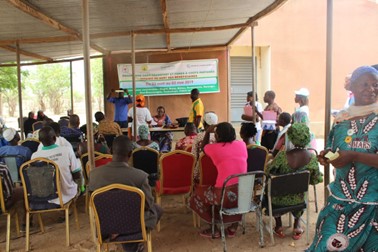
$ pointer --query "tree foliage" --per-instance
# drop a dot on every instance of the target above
(9, 87)
(49, 83)
(97, 82)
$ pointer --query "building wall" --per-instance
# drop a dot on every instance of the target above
(179, 105)
(296, 36)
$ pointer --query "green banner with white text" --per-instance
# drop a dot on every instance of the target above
(174, 78)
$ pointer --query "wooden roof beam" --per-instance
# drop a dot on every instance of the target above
(38, 40)
(163, 5)
(32, 11)
(26, 53)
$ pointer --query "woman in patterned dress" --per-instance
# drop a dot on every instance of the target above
(163, 138)
(349, 220)
(295, 159)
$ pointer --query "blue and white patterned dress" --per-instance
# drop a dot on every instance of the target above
(349, 221)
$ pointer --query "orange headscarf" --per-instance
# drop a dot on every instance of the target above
(140, 100)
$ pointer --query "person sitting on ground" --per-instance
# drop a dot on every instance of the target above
(190, 131)
(69, 167)
(144, 141)
(294, 160)
(119, 172)
(106, 127)
(229, 157)
(12, 137)
(283, 121)
(210, 118)
(164, 138)
(28, 124)
(248, 132)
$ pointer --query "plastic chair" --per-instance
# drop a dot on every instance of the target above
(119, 209)
(176, 173)
(207, 176)
(41, 182)
(281, 185)
(11, 162)
(9, 212)
(147, 160)
(37, 125)
(246, 202)
(31, 143)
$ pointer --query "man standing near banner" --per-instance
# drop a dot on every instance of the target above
(120, 106)
(197, 109)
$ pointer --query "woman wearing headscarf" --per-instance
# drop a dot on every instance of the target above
(295, 159)
(144, 141)
(143, 115)
(164, 138)
(349, 220)
(210, 118)
(229, 157)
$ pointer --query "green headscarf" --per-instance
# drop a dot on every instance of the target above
(299, 135)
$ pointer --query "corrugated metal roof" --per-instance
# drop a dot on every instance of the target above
(51, 30)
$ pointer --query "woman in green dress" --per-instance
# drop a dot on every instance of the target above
(296, 159)
(349, 220)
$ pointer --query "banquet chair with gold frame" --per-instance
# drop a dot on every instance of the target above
(41, 182)
(118, 209)
(9, 212)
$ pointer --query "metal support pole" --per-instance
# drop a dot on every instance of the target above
(254, 83)
(328, 89)
(134, 86)
(19, 91)
(71, 86)
(87, 80)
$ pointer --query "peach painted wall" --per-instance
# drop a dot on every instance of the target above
(296, 35)
(178, 105)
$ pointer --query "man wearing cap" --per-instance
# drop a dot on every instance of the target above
(301, 97)
(120, 106)
(197, 109)
(12, 137)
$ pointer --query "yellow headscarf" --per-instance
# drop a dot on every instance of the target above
(140, 100)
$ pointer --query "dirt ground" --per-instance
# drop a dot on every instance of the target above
(177, 232)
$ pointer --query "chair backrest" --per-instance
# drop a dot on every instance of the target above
(100, 160)
(207, 171)
(246, 189)
(2, 201)
(119, 209)
(74, 141)
(145, 159)
(31, 143)
(176, 170)
(109, 139)
(41, 182)
(291, 183)
(37, 125)
(84, 160)
(189, 148)
(11, 162)
(257, 157)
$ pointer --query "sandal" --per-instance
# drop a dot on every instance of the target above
(230, 232)
(279, 232)
(297, 233)
(208, 233)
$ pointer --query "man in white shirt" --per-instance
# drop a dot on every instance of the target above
(64, 156)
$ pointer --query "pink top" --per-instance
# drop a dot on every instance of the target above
(229, 158)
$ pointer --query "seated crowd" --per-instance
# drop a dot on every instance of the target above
(65, 143)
